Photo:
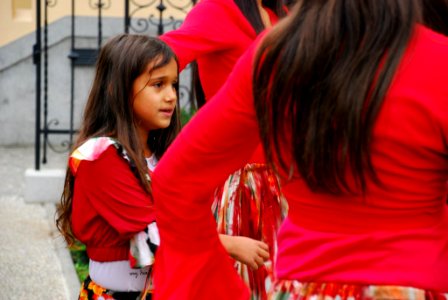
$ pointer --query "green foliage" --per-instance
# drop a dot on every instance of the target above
(80, 260)
(186, 114)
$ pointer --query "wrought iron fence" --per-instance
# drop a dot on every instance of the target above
(133, 10)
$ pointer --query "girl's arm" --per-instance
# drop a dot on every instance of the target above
(115, 193)
(245, 250)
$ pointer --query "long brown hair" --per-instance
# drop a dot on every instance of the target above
(435, 15)
(109, 111)
(249, 8)
(318, 86)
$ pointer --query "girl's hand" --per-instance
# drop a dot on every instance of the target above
(246, 250)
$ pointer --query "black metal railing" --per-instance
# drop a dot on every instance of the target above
(163, 20)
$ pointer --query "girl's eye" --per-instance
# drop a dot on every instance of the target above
(158, 84)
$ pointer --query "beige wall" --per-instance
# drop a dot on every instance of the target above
(18, 17)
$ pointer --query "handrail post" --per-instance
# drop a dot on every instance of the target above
(37, 51)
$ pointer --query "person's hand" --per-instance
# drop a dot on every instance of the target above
(246, 250)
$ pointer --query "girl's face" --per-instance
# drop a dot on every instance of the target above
(155, 97)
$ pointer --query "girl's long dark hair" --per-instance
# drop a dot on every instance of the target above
(318, 86)
(290, 3)
(109, 111)
(249, 8)
(435, 15)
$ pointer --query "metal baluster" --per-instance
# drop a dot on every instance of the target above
(73, 56)
(127, 19)
(37, 61)
(161, 7)
(100, 33)
(45, 130)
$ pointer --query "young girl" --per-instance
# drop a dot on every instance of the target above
(130, 119)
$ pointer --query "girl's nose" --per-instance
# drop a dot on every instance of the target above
(171, 95)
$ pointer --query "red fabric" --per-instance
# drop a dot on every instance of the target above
(216, 34)
(203, 274)
(186, 225)
(396, 234)
(109, 206)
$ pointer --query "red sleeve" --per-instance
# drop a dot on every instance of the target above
(115, 193)
(210, 26)
(219, 139)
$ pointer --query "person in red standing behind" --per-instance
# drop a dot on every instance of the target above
(336, 93)
(216, 33)
(249, 204)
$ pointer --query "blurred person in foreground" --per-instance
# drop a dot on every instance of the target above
(350, 101)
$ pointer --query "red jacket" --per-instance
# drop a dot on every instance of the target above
(109, 206)
(216, 34)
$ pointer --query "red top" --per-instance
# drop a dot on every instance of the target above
(216, 34)
(109, 206)
(397, 234)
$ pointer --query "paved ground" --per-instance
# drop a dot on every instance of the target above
(34, 262)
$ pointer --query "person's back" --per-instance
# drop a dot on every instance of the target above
(365, 214)
(395, 233)
(368, 202)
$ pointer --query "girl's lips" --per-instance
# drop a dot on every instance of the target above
(167, 112)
